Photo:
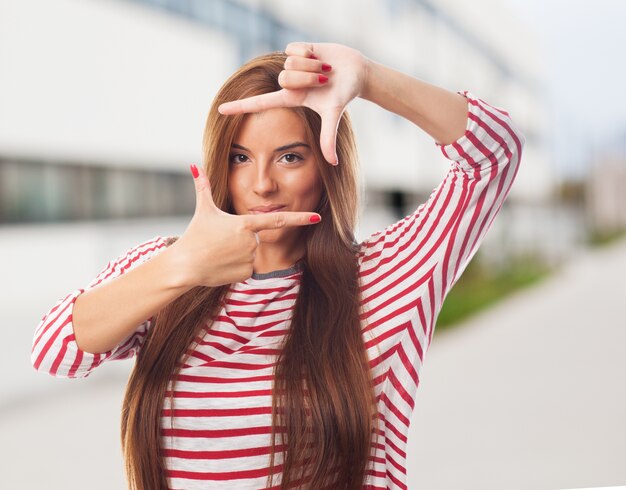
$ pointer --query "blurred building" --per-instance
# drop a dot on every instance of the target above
(606, 193)
(103, 103)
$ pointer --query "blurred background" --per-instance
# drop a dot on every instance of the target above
(102, 109)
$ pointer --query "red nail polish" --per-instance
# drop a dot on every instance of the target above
(315, 219)
(323, 78)
(194, 170)
(313, 56)
(326, 67)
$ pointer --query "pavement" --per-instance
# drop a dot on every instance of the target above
(529, 394)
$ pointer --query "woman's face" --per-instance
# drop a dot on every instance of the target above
(272, 164)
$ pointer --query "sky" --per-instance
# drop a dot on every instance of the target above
(584, 43)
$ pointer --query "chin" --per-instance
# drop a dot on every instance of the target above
(278, 235)
(270, 236)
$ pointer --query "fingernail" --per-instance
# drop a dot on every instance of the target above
(313, 56)
(315, 219)
(326, 67)
(194, 170)
(323, 78)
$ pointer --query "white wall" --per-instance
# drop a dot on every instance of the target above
(108, 81)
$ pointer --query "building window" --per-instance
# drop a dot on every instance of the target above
(35, 192)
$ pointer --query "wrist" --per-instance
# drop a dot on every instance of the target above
(367, 76)
(174, 264)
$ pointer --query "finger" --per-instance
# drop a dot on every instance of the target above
(300, 49)
(298, 63)
(328, 134)
(256, 103)
(271, 221)
(204, 197)
(292, 80)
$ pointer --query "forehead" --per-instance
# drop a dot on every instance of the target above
(271, 125)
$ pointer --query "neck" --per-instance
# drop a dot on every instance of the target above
(271, 256)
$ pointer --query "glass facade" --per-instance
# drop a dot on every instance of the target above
(32, 192)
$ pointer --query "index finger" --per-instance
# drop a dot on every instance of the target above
(256, 103)
(271, 221)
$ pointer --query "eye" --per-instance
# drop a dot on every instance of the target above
(237, 158)
(292, 157)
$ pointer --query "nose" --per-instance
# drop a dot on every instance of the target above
(264, 182)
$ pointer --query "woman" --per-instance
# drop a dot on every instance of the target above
(272, 349)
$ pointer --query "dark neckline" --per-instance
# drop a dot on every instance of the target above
(279, 273)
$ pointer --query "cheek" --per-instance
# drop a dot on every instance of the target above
(234, 191)
(307, 187)
(315, 192)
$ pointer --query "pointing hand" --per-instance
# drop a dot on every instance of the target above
(217, 247)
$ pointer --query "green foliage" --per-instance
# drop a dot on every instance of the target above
(480, 287)
(599, 238)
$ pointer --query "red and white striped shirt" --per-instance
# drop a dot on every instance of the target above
(222, 413)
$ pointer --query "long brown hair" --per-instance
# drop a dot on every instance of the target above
(323, 408)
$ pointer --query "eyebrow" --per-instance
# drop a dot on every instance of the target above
(280, 148)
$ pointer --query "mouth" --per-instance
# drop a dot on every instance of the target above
(266, 209)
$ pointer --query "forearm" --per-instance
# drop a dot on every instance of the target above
(440, 113)
(107, 314)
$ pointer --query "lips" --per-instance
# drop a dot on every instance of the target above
(266, 209)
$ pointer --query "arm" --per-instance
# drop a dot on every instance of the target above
(109, 319)
(440, 113)
(105, 315)
(414, 263)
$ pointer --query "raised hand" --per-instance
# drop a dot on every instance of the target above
(303, 85)
(219, 248)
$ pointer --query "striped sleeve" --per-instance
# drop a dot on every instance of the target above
(54, 348)
(407, 269)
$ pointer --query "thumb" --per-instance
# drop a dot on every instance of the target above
(204, 197)
(328, 134)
